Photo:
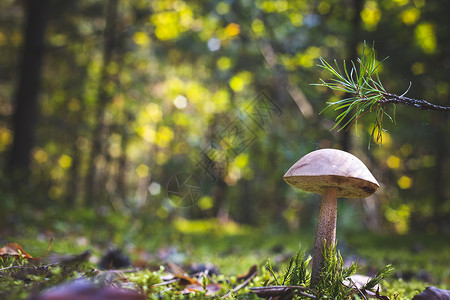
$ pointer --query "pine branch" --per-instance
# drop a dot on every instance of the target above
(361, 81)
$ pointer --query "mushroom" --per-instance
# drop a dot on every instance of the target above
(331, 173)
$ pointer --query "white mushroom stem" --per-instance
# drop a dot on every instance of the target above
(326, 230)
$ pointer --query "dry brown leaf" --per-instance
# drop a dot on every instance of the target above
(13, 249)
(175, 268)
(83, 289)
(253, 269)
(185, 280)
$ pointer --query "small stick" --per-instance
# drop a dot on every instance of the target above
(49, 247)
(356, 287)
(243, 284)
(18, 267)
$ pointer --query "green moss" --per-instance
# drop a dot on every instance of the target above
(233, 250)
(414, 256)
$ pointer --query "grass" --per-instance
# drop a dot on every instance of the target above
(415, 256)
(419, 260)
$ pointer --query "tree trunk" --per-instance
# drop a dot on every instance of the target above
(72, 186)
(221, 204)
(121, 182)
(246, 205)
(440, 168)
(76, 85)
(353, 40)
(26, 99)
(104, 98)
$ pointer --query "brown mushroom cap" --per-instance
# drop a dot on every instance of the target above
(327, 168)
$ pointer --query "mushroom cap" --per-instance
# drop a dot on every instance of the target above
(322, 169)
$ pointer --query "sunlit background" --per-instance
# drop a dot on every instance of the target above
(169, 111)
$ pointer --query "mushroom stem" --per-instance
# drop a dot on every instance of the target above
(326, 230)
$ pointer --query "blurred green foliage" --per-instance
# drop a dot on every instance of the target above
(218, 93)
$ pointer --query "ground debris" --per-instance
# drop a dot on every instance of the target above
(282, 291)
(114, 259)
(15, 250)
(433, 293)
(86, 290)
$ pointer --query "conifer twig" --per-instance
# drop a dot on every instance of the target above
(365, 93)
(416, 103)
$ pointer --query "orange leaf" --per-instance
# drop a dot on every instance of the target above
(185, 280)
(13, 249)
(253, 269)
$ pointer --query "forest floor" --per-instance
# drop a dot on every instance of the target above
(137, 259)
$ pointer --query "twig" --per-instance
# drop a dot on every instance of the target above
(133, 270)
(282, 290)
(50, 243)
(356, 287)
(416, 103)
(166, 282)
(243, 284)
(305, 294)
(17, 267)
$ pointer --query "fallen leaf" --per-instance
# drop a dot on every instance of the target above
(211, 289)
(175, 268)
(13, 249)
(68, 259)
(253, 269)
(185, 280)
(86, 290)
(433, 293)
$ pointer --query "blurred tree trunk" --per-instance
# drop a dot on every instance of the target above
(123, 159)
(107, 178)
(371, 205)
(73, 182)
(353, 40)
(26, 99)
(441, 146)
(104, 97)
(246, 206)
(221, 204)
(440, 168)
